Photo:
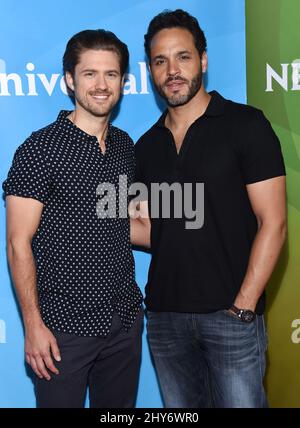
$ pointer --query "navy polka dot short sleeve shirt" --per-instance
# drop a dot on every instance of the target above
(85, 266)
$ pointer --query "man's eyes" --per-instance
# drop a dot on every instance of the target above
(184, 57)
(159, 61)
(112, 75)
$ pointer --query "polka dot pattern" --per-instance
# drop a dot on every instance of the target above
(85, 266)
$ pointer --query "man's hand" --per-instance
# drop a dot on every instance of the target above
(140, 225)
(39, 345)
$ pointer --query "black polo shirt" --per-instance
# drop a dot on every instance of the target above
(229, 146)
(85, 267)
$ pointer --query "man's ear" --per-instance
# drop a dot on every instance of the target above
(123, 81)
(204, 62)
(69, 81)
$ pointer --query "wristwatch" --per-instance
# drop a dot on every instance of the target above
(244, 315)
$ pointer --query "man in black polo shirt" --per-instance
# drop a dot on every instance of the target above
(72, 263)
(205, 290)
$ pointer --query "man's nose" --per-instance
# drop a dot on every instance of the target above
(101, 83)
(173, 67)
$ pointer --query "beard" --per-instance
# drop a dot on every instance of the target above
(176, 100)
(98, 110)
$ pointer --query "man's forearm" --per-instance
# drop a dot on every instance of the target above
(140, 233)
(264, 255)
(23, 270)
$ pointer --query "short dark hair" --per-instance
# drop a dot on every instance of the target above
(94, 39)
(171, 19)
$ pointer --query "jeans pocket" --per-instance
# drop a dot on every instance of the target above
(236, 323)
(230, 314)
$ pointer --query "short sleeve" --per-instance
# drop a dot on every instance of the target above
(261, 154)
(28, 176)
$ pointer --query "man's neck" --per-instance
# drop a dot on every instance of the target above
(92, 125)
(185, 115)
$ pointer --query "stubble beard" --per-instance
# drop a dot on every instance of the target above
(99, 110)
(176, 100)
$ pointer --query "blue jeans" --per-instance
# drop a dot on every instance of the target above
(208, 360)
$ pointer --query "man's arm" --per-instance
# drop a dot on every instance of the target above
(140, 225)
(23, 218)
(268, 200)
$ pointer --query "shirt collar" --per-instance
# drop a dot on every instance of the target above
(76, 132)
(216, 107)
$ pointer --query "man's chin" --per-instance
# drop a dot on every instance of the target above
(101, 112)
(177, 102)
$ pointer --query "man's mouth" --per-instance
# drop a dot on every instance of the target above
(100, 97)
(175, 85)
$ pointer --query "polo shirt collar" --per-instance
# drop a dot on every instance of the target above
(76, 132)
(215, 107)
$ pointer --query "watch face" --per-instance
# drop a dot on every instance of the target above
(248, 316)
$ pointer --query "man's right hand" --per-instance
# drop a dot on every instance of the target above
(40, 345)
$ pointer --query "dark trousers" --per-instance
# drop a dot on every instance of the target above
(209, 360)
(108, 366)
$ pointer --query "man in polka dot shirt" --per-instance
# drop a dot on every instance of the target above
(72, 266)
